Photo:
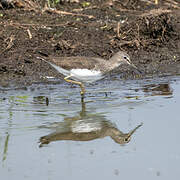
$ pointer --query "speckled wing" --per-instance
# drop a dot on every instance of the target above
(77, 62)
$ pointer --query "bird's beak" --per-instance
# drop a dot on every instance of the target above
(134, 130)
(135, 67)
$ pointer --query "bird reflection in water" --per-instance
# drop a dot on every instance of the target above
(85, 127)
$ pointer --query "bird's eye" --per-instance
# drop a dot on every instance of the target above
(126, 139)
(126, 58)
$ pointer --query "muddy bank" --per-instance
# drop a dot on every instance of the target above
(150, 33)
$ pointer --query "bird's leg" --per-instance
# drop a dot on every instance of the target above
(76, 82)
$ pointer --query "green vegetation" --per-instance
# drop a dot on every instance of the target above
(53, 3)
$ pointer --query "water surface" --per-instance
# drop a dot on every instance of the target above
(90, 151)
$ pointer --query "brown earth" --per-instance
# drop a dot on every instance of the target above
(150, 33)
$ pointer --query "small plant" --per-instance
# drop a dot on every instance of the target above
(53, 3)
(85, 4)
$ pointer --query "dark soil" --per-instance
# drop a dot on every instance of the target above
(150, 33)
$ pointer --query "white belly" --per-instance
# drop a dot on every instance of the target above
(82, 126)
(85, 75)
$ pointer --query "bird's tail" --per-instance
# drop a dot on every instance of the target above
(59, 69)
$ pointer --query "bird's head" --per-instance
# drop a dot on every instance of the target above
(121, 138)
(122, 57)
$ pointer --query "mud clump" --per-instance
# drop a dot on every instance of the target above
(158, 27)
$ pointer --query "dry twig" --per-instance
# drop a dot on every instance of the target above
(50, 10)
(31, 24)
(10, 43)
(118, 29)
(29, 34)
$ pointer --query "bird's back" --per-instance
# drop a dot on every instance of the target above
(77, 62)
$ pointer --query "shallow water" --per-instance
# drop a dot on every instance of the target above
(55, 112)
